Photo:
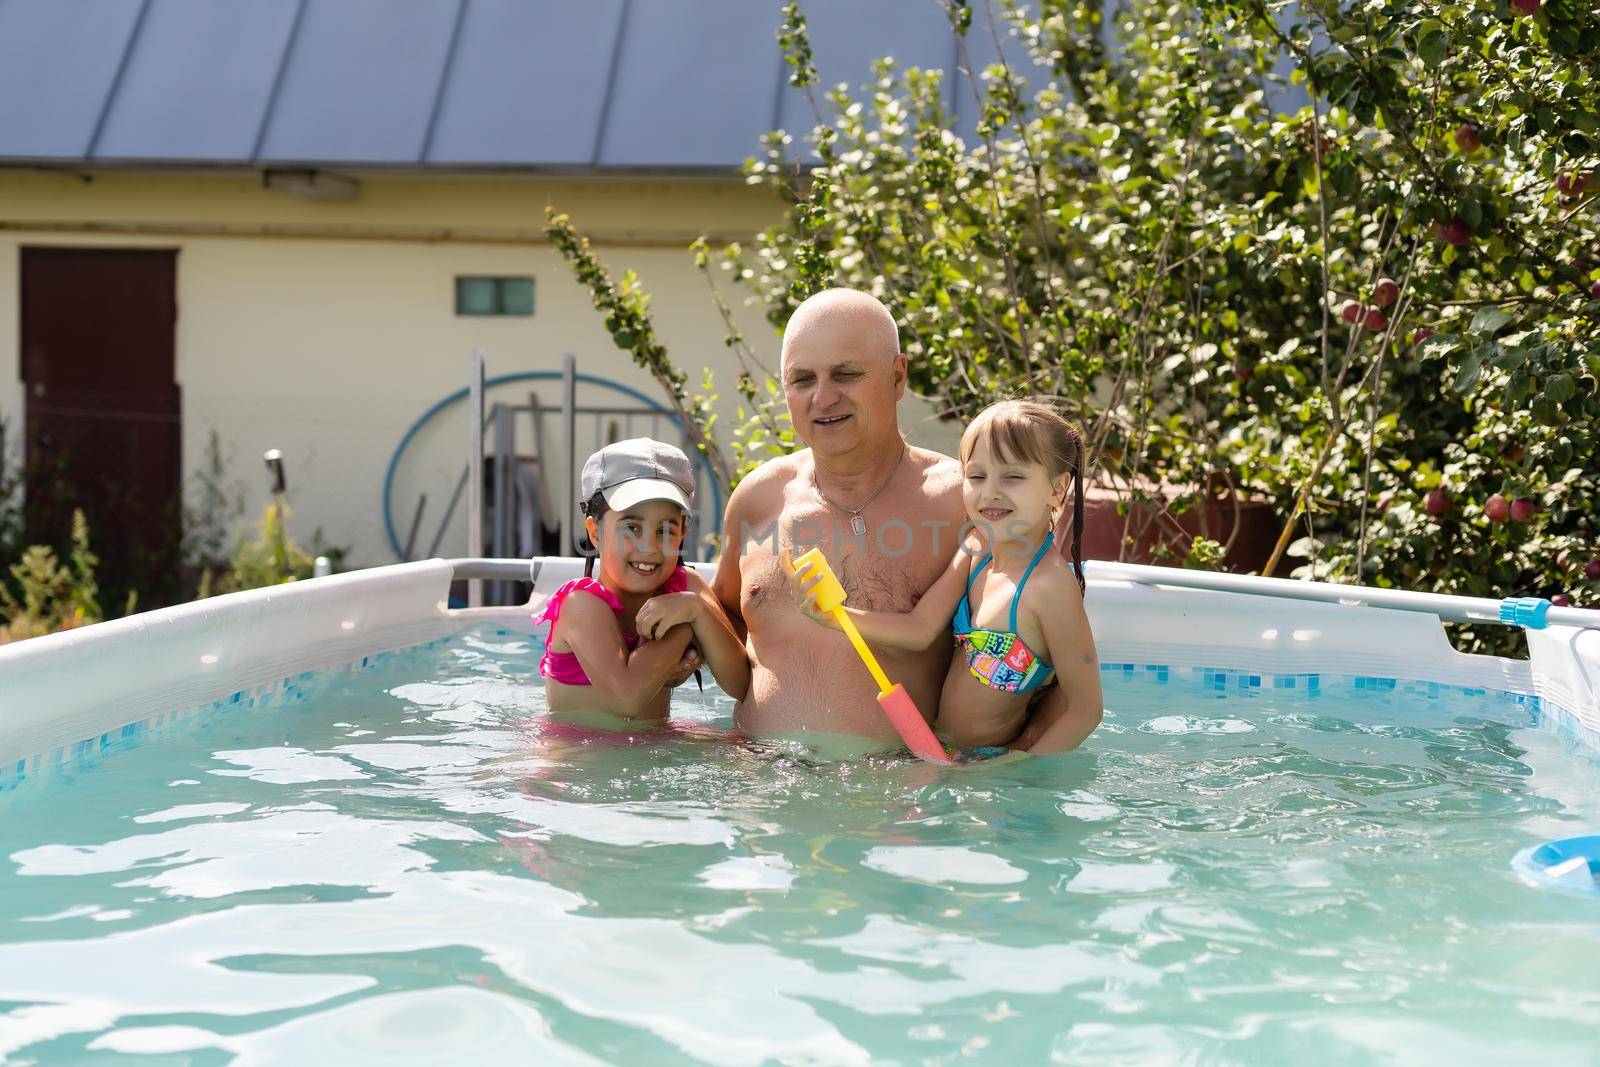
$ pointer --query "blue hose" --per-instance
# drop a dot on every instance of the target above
(501, 379)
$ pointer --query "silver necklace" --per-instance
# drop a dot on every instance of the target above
(858, 525)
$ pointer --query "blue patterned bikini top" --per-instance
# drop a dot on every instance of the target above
(1002, 661)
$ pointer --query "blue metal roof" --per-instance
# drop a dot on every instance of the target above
(646, 84)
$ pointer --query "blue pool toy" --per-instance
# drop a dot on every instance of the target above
(1570, 864)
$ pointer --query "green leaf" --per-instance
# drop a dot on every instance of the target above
(1560, 388)
(1467, 376)
(1489, 321)
(1433, 46)
(1440, 344)
(1546, 410)
(1509, 357)
(1518, 389)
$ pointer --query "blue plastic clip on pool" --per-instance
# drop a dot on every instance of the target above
(1525, 611)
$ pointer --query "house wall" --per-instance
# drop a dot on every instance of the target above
(324, 329)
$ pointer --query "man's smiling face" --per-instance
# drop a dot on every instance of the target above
(841, 394)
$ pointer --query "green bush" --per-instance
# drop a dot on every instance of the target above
(1149, 240)
(270, 557)
(50, 594)
(1145, 235)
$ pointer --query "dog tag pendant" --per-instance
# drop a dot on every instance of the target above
(858, 525)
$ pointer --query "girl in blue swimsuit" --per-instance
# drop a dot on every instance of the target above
(1024, 674)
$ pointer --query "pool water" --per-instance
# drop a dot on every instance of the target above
(403, 864)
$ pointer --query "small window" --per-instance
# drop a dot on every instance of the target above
(477, 295)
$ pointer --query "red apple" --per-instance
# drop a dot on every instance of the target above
(1497, 508)
(1388, 498)
(1353, 310)
(1571, 184)
(1386, 292)
(1523, 509)
(1594, 291)
(1525, 7)
(1560, 600)
(1243, 371)
(1512, 451)
(1376, 321)
(1420, 334)
(1592, 568)
(1455, 232)
(1467, 138)
(1437, 502)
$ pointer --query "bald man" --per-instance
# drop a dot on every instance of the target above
(886, 515)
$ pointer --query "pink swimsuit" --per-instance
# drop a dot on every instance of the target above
(564, 666)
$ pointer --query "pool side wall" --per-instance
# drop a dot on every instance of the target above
(1566, 676)
(67, 688)
(66, 694)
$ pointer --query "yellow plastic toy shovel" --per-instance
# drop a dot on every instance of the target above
(895, 701)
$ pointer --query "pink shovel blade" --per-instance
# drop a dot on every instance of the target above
(911, 726)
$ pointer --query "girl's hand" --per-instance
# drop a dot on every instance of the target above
(661, 613)
(803, 588)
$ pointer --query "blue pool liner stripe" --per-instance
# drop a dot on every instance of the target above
(1219, 679)
(279, 693)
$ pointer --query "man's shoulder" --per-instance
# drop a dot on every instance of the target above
(940, 473)
(761, 490)
(775, 472)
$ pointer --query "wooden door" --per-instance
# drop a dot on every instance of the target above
(101, 412)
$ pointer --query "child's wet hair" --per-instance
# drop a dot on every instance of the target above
(593, 508)
(1028, 431)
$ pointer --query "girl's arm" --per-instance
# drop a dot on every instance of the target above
(698, 607)
(623, 683)
(1069, 642)
(913, 631)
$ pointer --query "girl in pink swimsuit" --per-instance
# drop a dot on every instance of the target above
(616, 639)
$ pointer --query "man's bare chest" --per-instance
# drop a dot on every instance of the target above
(881, 569)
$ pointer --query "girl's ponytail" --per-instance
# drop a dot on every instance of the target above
(593, 508)
(1077, 509)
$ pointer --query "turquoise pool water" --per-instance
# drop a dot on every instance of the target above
(399, 864)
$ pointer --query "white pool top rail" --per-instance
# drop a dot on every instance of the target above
(63, 694)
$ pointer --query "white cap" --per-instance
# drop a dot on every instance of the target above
(633, 471)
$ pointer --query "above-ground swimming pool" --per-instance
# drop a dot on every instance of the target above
(392, 856)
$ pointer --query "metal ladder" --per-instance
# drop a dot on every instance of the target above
(521, 454)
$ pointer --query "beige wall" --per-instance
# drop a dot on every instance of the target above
(325, 328)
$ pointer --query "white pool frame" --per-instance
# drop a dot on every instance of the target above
(74, 694)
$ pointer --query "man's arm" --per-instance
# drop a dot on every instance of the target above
(722, 646)
(725, 585)
(741, 514)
